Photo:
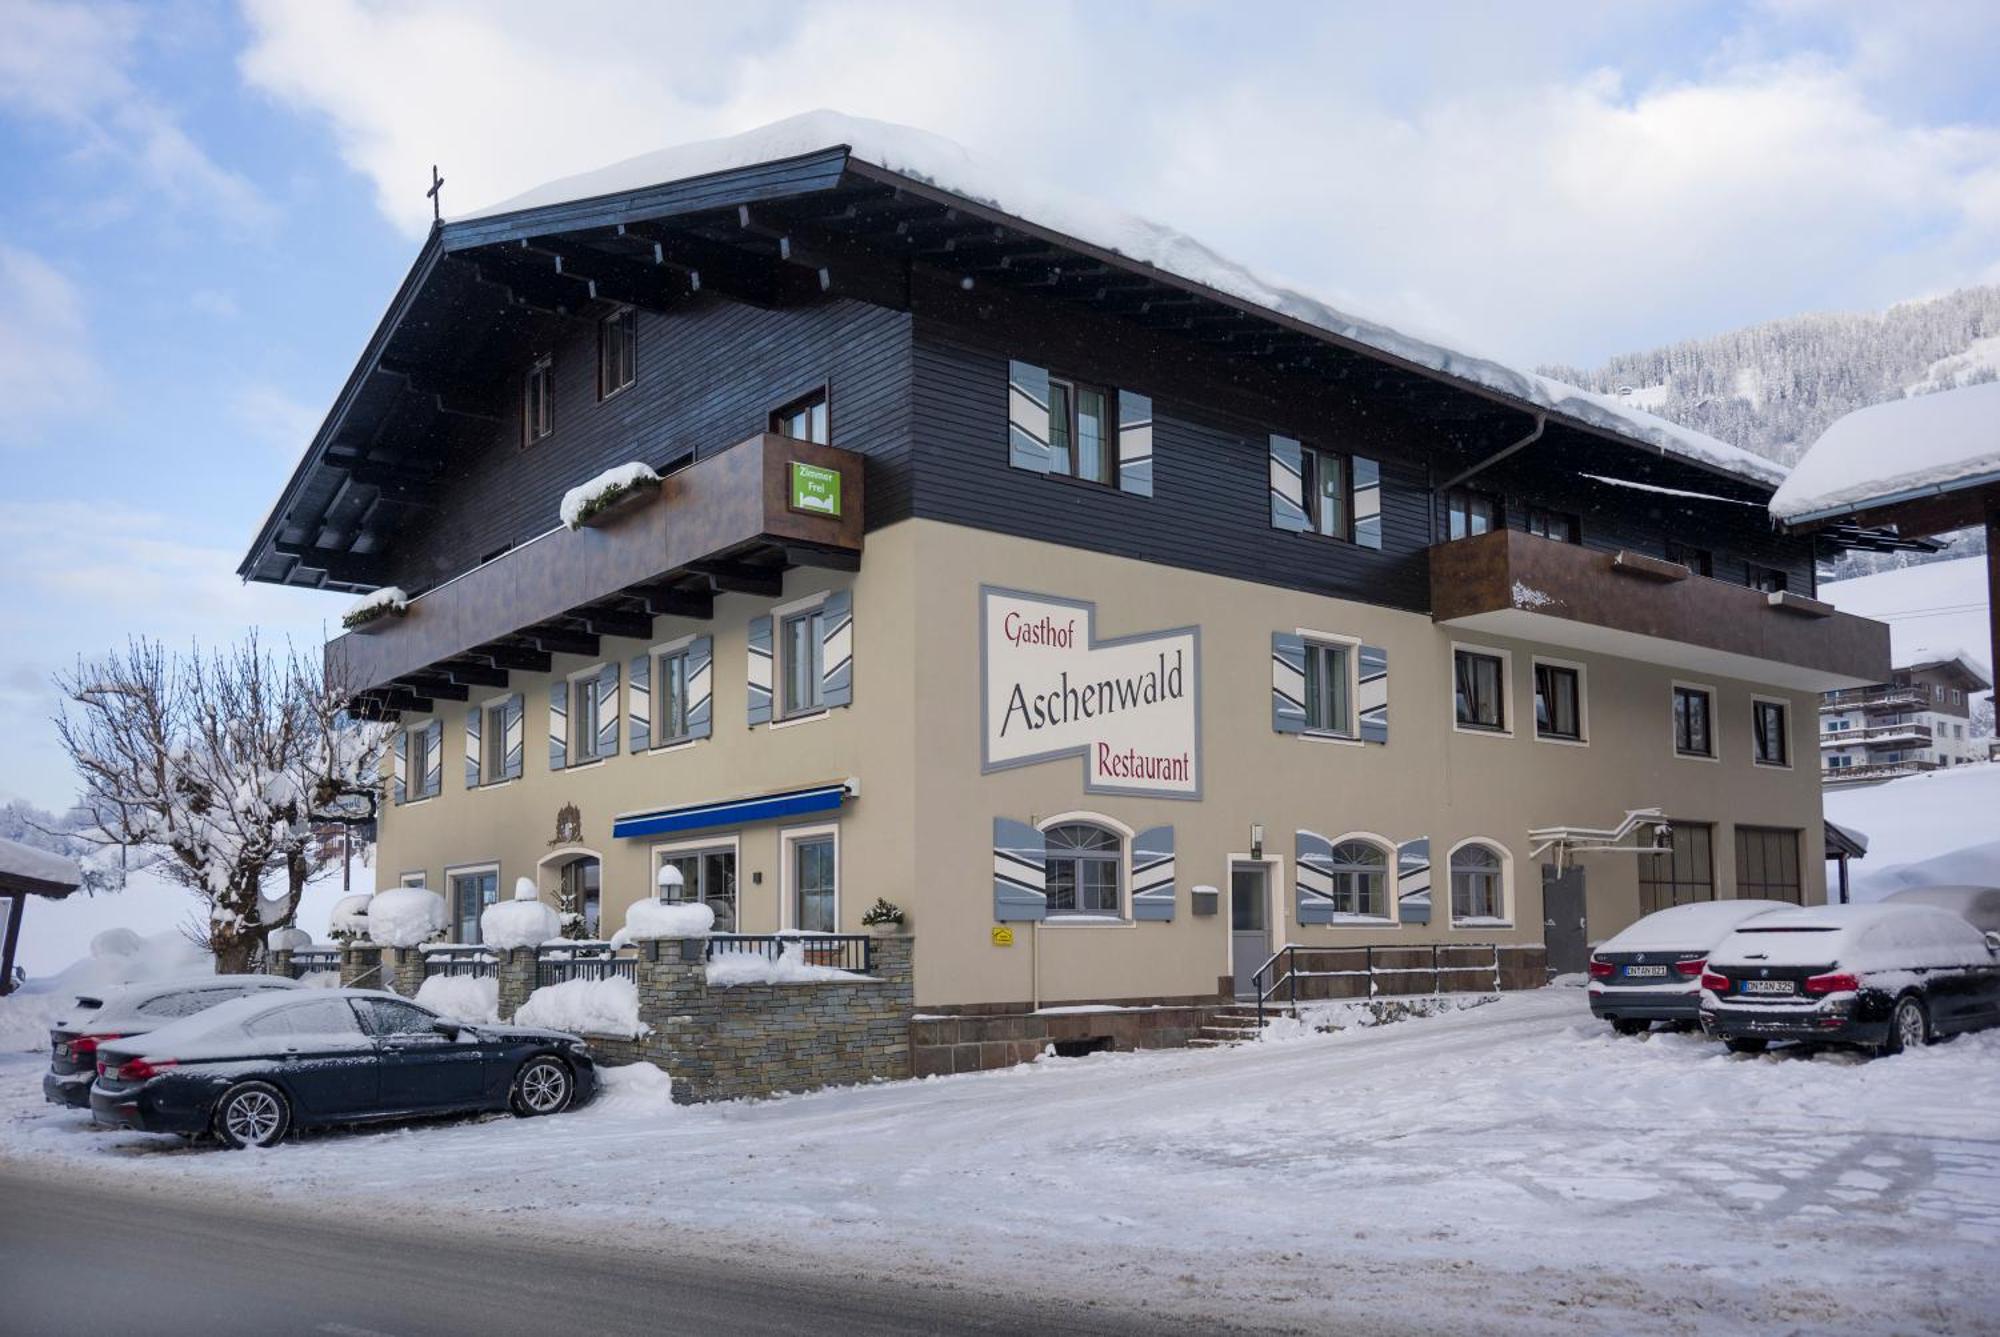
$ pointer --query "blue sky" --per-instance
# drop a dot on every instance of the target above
(207, 205)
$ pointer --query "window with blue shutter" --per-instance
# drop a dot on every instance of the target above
(1413, 881)
(558, 724)
(759, 671)
(1135, 443)
(1288, 487)
(1028, 417)
(1313, 870)
(837, 649)
(399, 788)
(1374, 694)
(1367, 477)
(639, 704)
(700, 680)
(511, 734)
(1019, 872)
(1288, 682)
(434, 759)
(607, 710)
(473, 716)
(1153, 874)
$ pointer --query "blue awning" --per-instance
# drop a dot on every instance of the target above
(734, 812)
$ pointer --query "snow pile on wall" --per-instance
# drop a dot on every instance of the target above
(587, 499)
(1903, 446)
(350, 916)
(751, 966)
(585, 1007)
(633, 1091)
(462, 997)
(117, 956)
(405, 916)
(518, 923)
(390, 599)
(659, 919)
(288, 940)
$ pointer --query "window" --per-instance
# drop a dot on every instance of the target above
(708, 875)
(471, 892)
(425, 764)
(1693, 713)
(1328, 490)
(537, 417)
(1081, 432)
(1360, 879)
(1478, 883)
(1764, 579)
(1769, 722)
(500, 740)
(1561, 526)
(1699, 561)
(1683, 872)
(322, 1016)
(1558, 702)
(1468, 513)
(411, 880)
(617, 351)
(1478, 689)
(1328, 706)
(815, 879)
(801, 637)
(386, 1016)
(187, 1002)
(1767, 864)
(1839, 761)
(585, 718)
(581, 888)
(670, 698)
(1081, 870)
(804, 419)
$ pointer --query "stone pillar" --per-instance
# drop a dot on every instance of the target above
(360, 966)
(403, 970)
(279, 962)
(892, 961)
(516, 972)
(673, 1000)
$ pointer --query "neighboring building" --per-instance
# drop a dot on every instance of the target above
(1118, 617)
(1919, 720)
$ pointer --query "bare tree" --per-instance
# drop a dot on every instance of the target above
(212, 767)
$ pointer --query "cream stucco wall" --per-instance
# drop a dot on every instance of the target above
(921, 831)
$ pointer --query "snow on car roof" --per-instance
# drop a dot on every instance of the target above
(1872, 936)
(941, 163)
(1904, 448)
(1698, 924)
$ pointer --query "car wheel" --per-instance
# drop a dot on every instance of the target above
(542, 1086)
(1631, 1026)
(1908, 1028)
(254, 1114)
(1744, 1044)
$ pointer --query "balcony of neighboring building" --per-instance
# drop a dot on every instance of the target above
(1877, 697)
(731, 522)
(1510, 583)
(1901, 733)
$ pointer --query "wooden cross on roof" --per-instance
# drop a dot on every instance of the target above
(436, 195)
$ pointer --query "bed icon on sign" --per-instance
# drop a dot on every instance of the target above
(1003, 936)
(815, 490)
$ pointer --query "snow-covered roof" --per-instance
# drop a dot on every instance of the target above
(1895, 451)
(939, 162)
(37, 865)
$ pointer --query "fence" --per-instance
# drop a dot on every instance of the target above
(473, 961)
(842, 951)
(582, 961)
(312, 960)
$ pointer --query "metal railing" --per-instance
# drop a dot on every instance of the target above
(474, 960)
(1285, 977)
(1851, 697)
(842, 951)
(312, 960)
(582, 961)
(1877, 733)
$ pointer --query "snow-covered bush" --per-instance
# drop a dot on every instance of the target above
(468, 998)
(883, 914)
(288, 940)
(586, 1007)
(349, 920)
(406, 917)
(658, 919)
(389, 601)
(604, 491)
(521, 922)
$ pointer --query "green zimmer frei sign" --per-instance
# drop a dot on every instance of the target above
(815, 490)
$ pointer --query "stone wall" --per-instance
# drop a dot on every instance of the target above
(977, 1041)
(403, 970)
(360, 966)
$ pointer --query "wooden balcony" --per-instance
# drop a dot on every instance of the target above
(722, 524)
(1510, 583)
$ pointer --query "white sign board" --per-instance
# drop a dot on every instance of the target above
(1130, 707)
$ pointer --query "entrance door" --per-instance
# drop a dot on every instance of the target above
(1565, 924)
(1249, 924)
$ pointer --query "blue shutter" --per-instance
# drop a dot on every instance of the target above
(700, 685)
(399, 788)
(1019, 863)
(1153, 874)
(1373, 694)
(760, 671)
(639, 703)
(1135, 443)
(1028, 417)
(558, 724)
(473, 715)
(1313, 865)
(836, 649)
(434, 768)
(1288, 485)
(607, 710)
(1367, 501)
(510, 763)
(1413, 881)
(1288, 682)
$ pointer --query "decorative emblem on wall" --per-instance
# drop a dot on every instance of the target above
(569, 825)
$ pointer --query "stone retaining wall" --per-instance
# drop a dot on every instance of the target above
(975, 1042)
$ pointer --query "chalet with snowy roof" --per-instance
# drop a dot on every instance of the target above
(822, 515)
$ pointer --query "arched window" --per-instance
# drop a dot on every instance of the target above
(1478, 882)
(1082, 869)
(582, 883)
(1360, 879)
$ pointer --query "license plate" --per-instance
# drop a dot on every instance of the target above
(1645, 972)
(1766, 986)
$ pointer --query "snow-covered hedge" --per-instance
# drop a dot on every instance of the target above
(658, 919)
(406, 916)
(586, 1007)
(469, 998)
(389, 601)
(604, 491)
(521, 922)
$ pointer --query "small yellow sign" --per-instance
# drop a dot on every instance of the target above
(1003, 936)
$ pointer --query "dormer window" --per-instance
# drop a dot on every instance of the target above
(617, 351)
(537, 417)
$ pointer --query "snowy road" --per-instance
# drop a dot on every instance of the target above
(1508, 1168)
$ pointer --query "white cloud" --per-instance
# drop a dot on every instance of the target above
(275, 419)
(46, 364)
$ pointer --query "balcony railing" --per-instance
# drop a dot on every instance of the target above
(582, 961)
(1510, 583)
(1884, 733)
(1875, 698)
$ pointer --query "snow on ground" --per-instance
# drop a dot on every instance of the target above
(1509, 1168)
(1897, 448)
(1940, 827)
(1934, 611)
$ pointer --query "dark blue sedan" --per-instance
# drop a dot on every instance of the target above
(252, 1070)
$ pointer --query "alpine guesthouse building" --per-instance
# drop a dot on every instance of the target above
(1119, 617)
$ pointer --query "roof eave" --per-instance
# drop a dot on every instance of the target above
(1849, 509)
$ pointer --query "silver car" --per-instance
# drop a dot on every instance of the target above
(135, 1009)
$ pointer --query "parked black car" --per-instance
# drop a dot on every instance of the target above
(252, 1070)
(128, 1013)
(1887, 977)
